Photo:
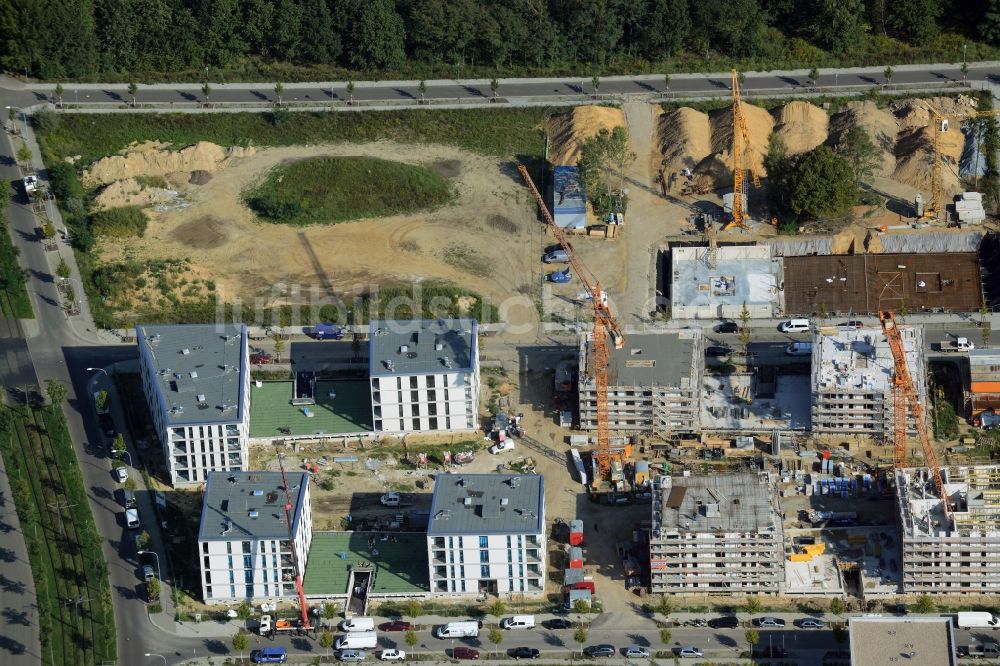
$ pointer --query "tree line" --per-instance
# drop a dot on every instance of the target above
(87, 39)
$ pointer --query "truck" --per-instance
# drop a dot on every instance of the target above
(30, 184)
(395, 499)
(328, 332)
(288, 625)
(977, 650)
(956, 345)
(357, 641)
(975, 620)
(132, 519)
(358, 624)
(466, 629)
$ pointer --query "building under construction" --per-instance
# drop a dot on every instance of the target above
(654, 382)
(952, 552)
(716, 534)
(852, 375)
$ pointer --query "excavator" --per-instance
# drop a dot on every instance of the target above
(609, 465)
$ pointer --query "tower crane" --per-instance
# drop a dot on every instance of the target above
(306, 624)
(741, 159)
(904, 394)
(605, 324)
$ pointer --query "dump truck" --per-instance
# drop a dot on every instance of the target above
(956, 345)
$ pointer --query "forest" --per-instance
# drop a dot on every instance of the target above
(219, 40)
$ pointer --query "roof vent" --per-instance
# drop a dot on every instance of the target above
(388, 365)
(438, 346)
(514, 481)
(201, 397)
(504, 501)
(185, 351)
(467, 501)
(252, 514)
(446, 361)
(443, 514)
(194, 374)
(403, 349)
(258, 493)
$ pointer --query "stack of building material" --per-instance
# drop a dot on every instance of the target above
(969, 208)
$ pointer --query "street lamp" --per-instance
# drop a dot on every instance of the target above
(151, 654)
(154, 554)
(99, 370)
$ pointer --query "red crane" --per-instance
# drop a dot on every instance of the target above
(291, 542)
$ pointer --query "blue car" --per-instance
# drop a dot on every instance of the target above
(560, 277)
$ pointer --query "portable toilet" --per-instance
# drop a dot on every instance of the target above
(641, 472)
(575, 532)
(575, 557)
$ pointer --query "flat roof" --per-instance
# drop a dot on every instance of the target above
(720, 502)
(860, 359)
(349, 411)
(421, 346)
(199, 370)
(241, 505)
(867, 283)
(740, 274)
(647, 359)
(487, 504)
(399, 560)
(914, 641)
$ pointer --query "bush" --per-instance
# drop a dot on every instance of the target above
(65, 184)
(127, 222)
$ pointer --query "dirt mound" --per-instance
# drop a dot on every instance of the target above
(129, 192)
(684, 138)
(200, 177)
(568, 131)
(912, 113)
(880, 125)
(802, 126)
(204, 233)
(153, 160)
(447, 168)
(759, 122)
(915, 158)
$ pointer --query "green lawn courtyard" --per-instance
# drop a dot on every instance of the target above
(272, 413)
(399, 567)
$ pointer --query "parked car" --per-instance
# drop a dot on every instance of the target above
(811, 623)
(351, 655)
(636, 652)
(395, 625)
(769, 622)
(794, 326)
(727, 327)
(558, 623)
(260, 358)
(392, 654)
(121, 474)
(689, 652)
(524, 653)
(771, 652)
(463, 652)
(603, 650)
(147, 572)
(560, 277)
(718, 350)
(559, 256)
(854, 323)
(726, 622)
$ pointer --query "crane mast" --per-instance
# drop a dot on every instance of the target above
(940, 121)
(604, 324)
(904, 393)
(291, 543)
(741, 155)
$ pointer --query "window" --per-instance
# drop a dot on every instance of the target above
(413, 382)
(484, 556)
(484, 571)
(510, 571)
(484, 542)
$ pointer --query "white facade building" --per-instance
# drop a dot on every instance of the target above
(424, 375)
(243, 546)
(196, 379)
(487, 535)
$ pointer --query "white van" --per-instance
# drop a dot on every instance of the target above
(132, 519)
(794, 326)
(799, 349)
(518, 622)
(358, 624)
(469, 629)
(357, 641)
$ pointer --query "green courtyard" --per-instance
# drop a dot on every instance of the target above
(342, 408)
(399, 564)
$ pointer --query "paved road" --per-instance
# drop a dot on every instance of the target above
(513, 90)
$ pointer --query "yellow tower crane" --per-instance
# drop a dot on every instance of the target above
(742, 153)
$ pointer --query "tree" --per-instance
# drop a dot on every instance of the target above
(751, 605)
(753, 637)
(24, 154)
(241, 642)
(861, 152)
(329, 612)
(153, 588)
(596, 82)
(244, 611)
(914, 20)
(496, 637)
(924, 605)
(837, 606)
(279, 90)
(350, 92)
(580, 636)
(813, 77)
(664, 608)
(279, 345)
(411, 639)
(118, 445)
(145, 540)
(666, 81)
(494, 86)
(56, 391)
(987, 331)
(498, 608)
(838, 25)
(206, 90)
(822, 184)
(665, 636)
(581, 606)
(889, 71)
(102, 401)
(133, 88)
(326, 642)
(903, 309)
(377, 37)
(597, 154)
(965, 72)
(779, 166)
(59, 94)
(414, 609)
(422, 89)
(745, 329)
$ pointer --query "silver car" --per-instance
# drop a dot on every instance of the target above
(812, 623)
(559, 256)
(351, 655)
(690, 652)
(636, 652)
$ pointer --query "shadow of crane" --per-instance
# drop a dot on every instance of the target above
(324, 280)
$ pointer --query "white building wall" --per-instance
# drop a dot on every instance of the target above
(515, 562)
(441, 402)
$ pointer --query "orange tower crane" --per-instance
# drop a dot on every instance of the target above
(741, 159)
(604, 324)
(306, 624)
(904, 393)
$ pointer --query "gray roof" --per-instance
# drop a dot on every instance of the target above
(200, 370)
(649, 359)
(421, 346)
(230, 498)
(483, 504)
(891, 641)
(726, 502)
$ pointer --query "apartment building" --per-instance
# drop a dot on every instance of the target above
(914, 641)
(654, 382)
(852, 374)
(424, 375)
(243, 542)
(956, 553)
(197, 384)
(718, 534)
(984, 380)
(487, 535)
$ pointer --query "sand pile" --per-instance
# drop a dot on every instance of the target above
(128, 192)
(152, 159)
(915, 158)
(568, 131)
(802, 126)
(759, 122)
(880, 125)
(684, 138)
(912, 113)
